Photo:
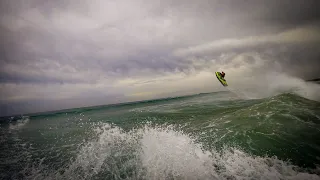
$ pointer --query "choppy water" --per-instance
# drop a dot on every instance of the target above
(206, 136)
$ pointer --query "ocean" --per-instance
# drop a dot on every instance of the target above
(205, 136)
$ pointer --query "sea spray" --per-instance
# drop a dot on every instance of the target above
(159, 152)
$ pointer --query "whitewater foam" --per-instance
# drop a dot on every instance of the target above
(163, 152)
(19, 124)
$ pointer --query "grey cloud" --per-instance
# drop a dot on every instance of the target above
(291, 13)
(300, 36)
(86, 42)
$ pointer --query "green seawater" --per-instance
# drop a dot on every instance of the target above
(205, 136)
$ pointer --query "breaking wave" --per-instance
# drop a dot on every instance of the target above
(163, 152)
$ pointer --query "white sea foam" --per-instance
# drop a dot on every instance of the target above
(154, 152)
(17, 125)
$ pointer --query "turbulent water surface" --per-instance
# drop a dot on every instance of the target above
(205, 136)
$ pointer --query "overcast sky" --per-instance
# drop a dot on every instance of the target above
(72, 53)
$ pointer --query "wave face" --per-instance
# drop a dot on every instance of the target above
(206, 136)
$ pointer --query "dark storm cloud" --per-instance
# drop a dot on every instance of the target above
(44, 39)
(300, 61)
(291, 13)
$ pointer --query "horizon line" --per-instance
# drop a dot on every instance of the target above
(111, 104)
